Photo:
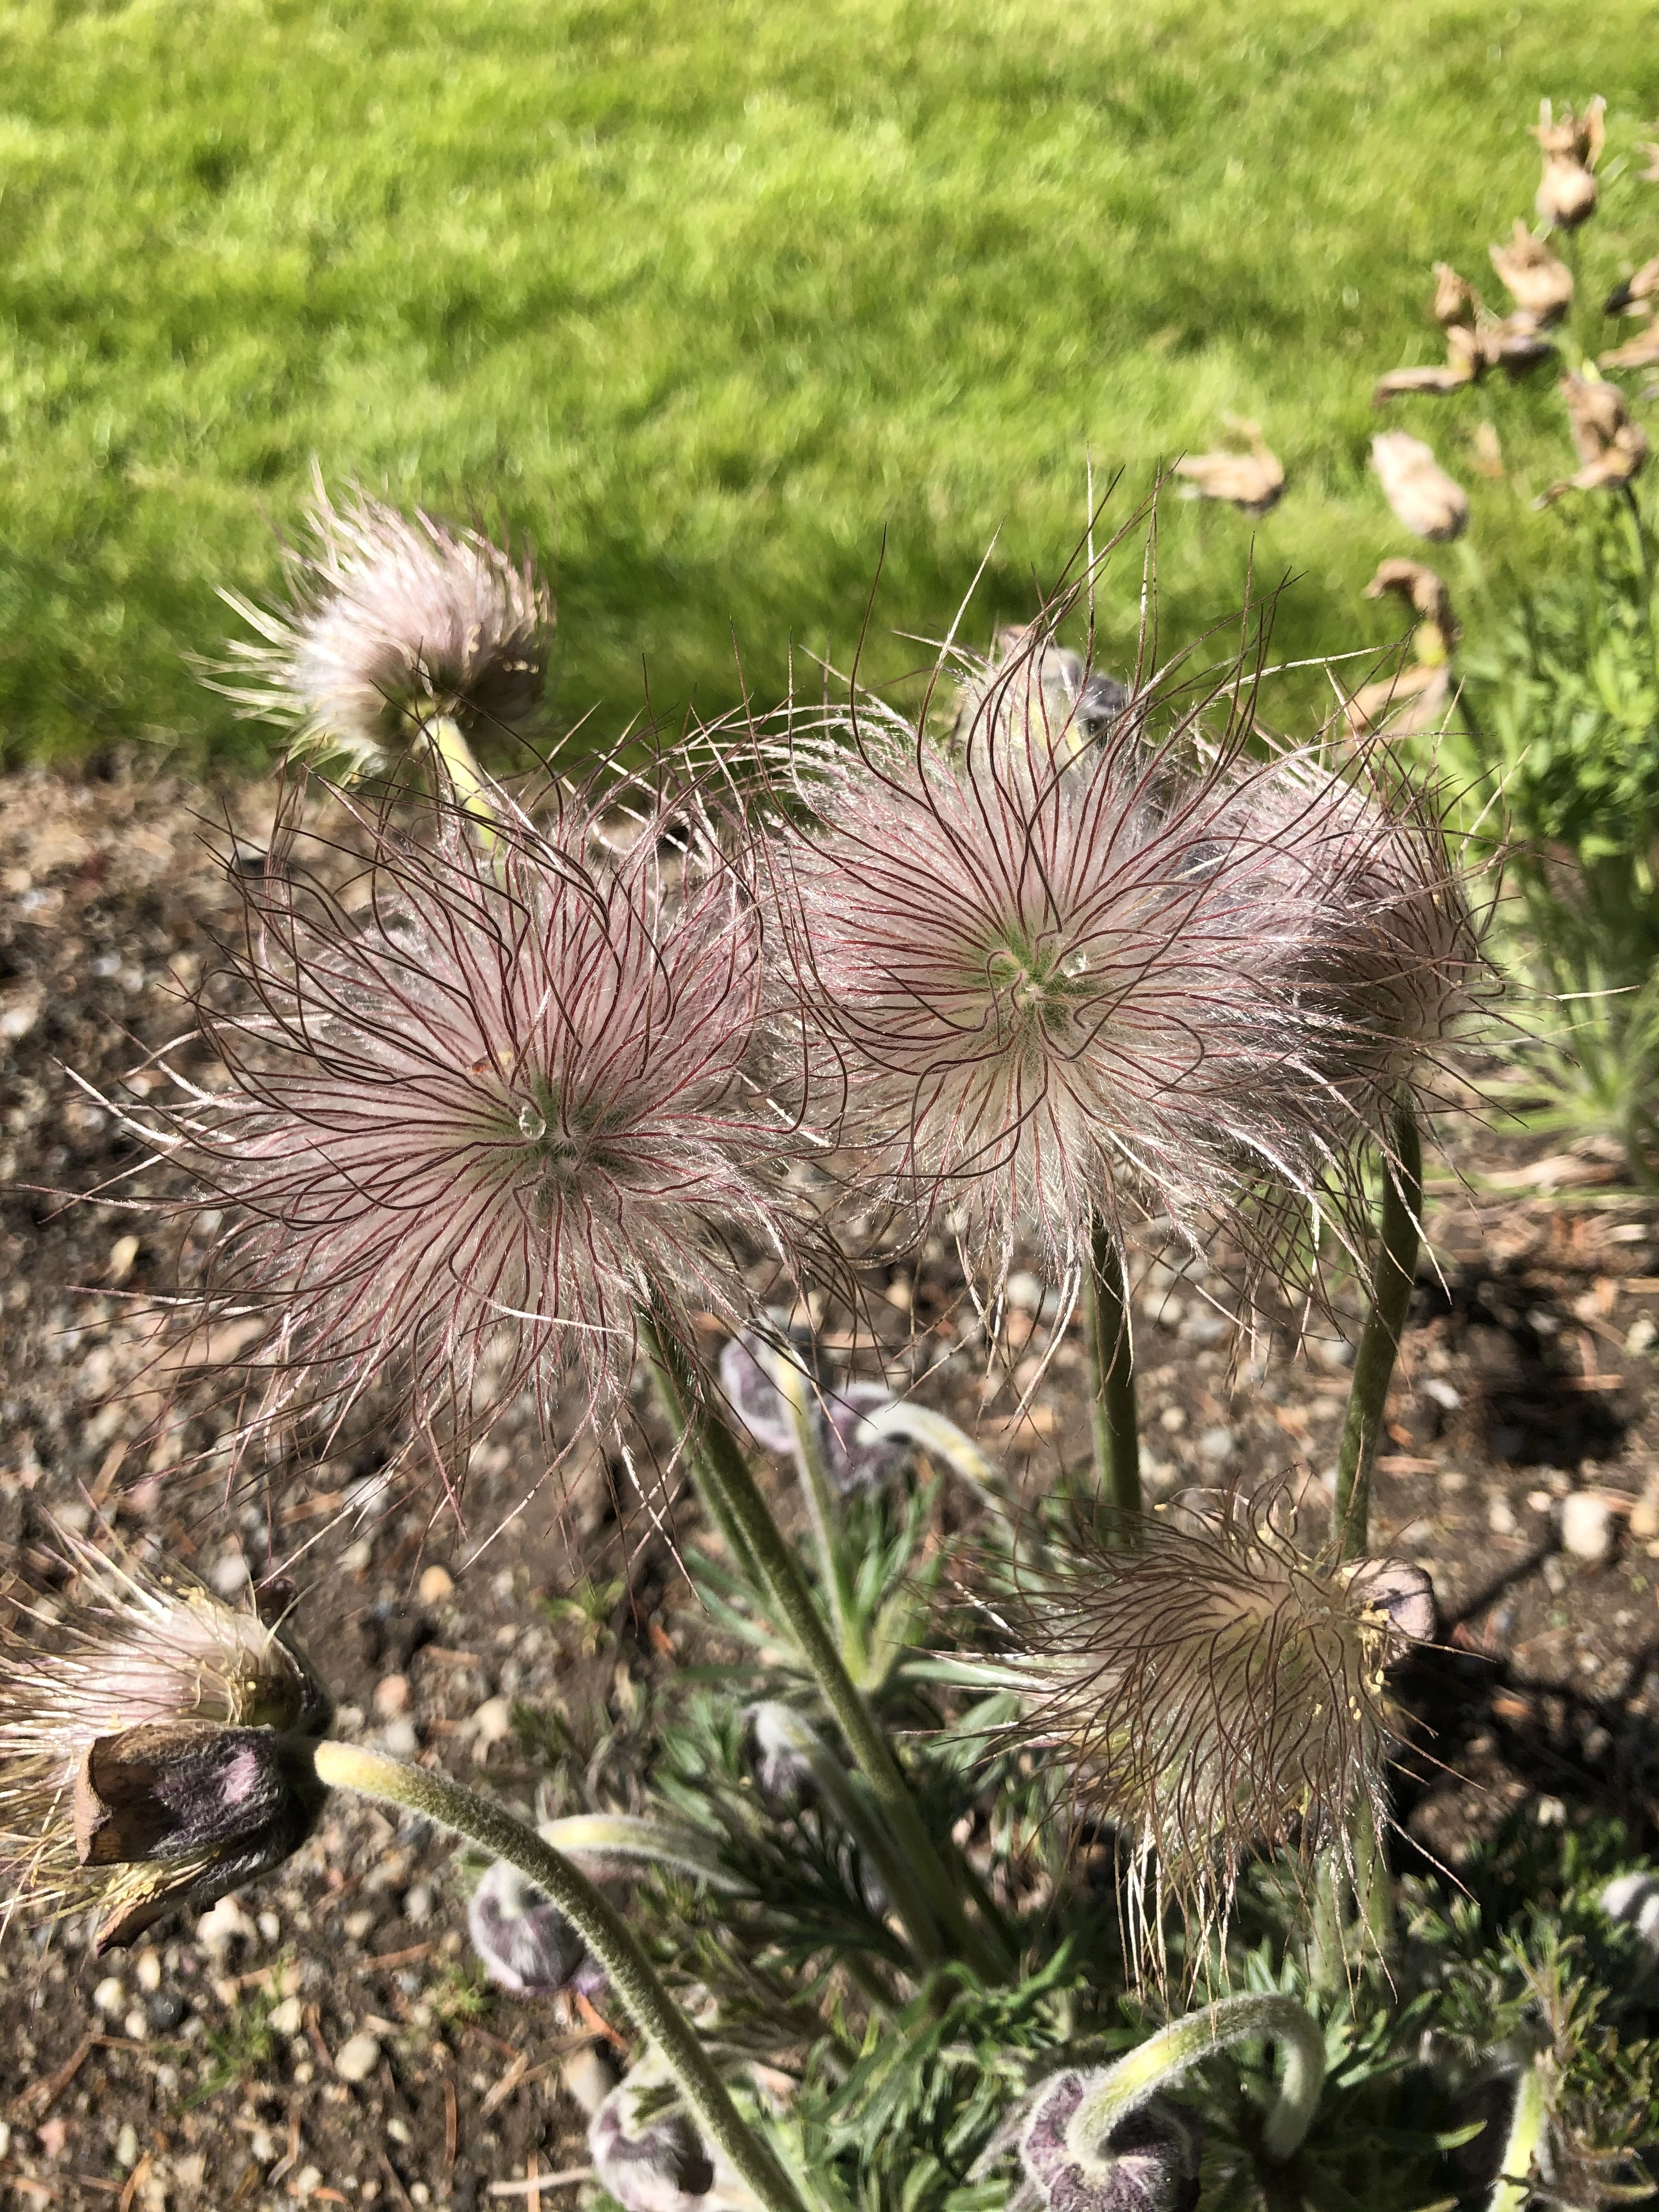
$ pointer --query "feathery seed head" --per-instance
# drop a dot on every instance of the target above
(1048, 983)
(1149, 2162)
(393, 623)
(1212, 1688)
(478, 1123)
(155, 1749)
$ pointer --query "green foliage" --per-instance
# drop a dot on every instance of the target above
(242, 2049)
(708, 302)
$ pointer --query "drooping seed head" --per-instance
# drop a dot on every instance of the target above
(1210, 1689)
(471, 1126)
(154, 1748)
(391, 624)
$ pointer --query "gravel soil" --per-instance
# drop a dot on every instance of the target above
(325, 2036)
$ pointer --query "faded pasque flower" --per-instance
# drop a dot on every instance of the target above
(656, 2165)
(477, 1121)
(1148, 2163)
(392, 624)
(1534, 274)
(1612, 447)
(1211, 1688)
(1423, 496)
(155, 1748)
(1042, 975)
(1572, 149)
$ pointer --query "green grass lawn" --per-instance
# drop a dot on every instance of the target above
(709, 301)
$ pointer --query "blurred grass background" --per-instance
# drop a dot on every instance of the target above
(707, 301)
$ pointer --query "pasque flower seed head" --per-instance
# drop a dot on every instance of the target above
(155, 1748)
(392, 624)
(474, 1123)
(1210, 1687)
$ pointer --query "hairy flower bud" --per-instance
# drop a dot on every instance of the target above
(526, 1942)
(393, 623)
(853, 1457)
(656, 2165)
(1149, 2162)
(154, 1751)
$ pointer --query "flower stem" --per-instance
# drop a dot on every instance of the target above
(723, 1477)
(1112, 1410)
(1379, 1344)
(459, 776)
(1513, 2188)
(797, 1389)
(1161, 2061)
(654, 2012)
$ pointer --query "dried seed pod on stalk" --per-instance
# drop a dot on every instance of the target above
(155, 1748)
(392, 624)
(1209, 1690)
(473, 1119)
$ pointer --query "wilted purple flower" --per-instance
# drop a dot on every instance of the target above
(526, 1942)
(393, 623)
(1148, 2163)
(478, 1121)
(155, 1749)
(1046, 975)
(648, 2165)
(1212, 1688)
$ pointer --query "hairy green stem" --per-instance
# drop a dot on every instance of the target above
(723, 1476)
(634, 1842)
(799, 1393)
(653, 2011)
(1161, 2061)
(1379, 1343)
(1512, 2191)
(1112, 1408)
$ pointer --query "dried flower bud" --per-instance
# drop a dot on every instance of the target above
(526, 1942)
(647, 2166)
(1148, 2163)
(393, 623)
(158, 1753)
(1211, 1688)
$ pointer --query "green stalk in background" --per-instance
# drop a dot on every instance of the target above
(653, 2011)
(1379, 1343)
(1112, 1408)
(724, 1482)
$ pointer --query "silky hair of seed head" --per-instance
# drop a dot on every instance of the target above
(481, 1107)
(1209, 1689)
(391, 623)
(1053, 982)
(141, 1651)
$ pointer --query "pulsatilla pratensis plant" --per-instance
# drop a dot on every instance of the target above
(399, 634)
(476, 1122)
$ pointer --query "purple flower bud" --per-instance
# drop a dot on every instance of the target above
(526, 1942)
(1148, 2163)
(649, 2166)
(752, 1394)
(853, 1462)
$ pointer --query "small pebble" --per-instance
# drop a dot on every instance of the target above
(392, 1695)
(435, 1585)
(229, 1574)
(136, 2024)
(1642, 1334)
(125, 1251)
(1587, 1530)
(1204, 1326)
(1024, 1292)
(1440, 1392)
(400, 1738)
(356, 1558)
(1645, 1513)
(418, 1904)
(307, 2181)
(110, 1997)
(127, 2145)
(1500, 1517)
(288, 2017)
(358, 1926)
(356, 2059)
(147, 1967)
(269, 1926)
(589, 2077)
(493, 1722)
(1215, 1444)
(1173, 1420)
(164, 2010)
(223, 1924)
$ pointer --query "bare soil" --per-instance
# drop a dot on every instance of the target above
(203, 2069)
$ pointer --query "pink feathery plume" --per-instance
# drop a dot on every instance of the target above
(473, 1121)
